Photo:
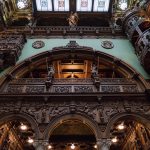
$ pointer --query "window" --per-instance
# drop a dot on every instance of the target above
(101, 5)
(44, 5)
(84, 5)
(22, 4)
(61, 5)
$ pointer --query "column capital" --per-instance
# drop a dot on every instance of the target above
(40, 144)
(104, 141)
(104, 144)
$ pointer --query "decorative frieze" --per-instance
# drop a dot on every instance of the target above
(34, 89)
(110, 89)
(100, 113)
(62, 89)
(83, 89)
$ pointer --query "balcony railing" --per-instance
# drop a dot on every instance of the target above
(107, 85)
(66, 30)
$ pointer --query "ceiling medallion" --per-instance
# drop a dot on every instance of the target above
(107, 44)
(38, 44)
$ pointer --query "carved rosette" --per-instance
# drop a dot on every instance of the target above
(107, 44)
(38, 44)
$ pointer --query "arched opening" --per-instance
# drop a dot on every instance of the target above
(130, 132)
(73, 68)
(72, 134)
(16, 133)
(49, 68)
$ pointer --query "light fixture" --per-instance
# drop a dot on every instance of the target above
(72, 146)
(114, 140)
(123, 6)
(49, 147)
(30, 141)
(22, 4)
(95, 146)
(121, 126)
(23, 127)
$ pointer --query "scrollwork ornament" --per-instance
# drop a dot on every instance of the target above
(107, 44)
(38, 44)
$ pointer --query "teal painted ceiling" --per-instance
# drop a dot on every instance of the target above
(123, 50)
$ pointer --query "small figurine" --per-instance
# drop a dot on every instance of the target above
(94, 70)
(51, 71)
(73, 19)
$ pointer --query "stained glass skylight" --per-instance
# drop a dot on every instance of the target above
(101, 5)
(61, 5)
(84, 5)
(44, 5)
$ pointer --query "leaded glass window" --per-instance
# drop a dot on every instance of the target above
(84, 5)
(44, 5)
(101, 5)
(61, 5)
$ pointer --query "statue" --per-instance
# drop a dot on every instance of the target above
(73, 19)
(94, 70)
(51, 72)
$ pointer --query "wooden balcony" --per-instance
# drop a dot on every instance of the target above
(106, 85)
(66, 31)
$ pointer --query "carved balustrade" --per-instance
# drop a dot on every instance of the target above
(66, 30)
(107, 85)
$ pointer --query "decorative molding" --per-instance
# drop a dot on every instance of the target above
(73, 46)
